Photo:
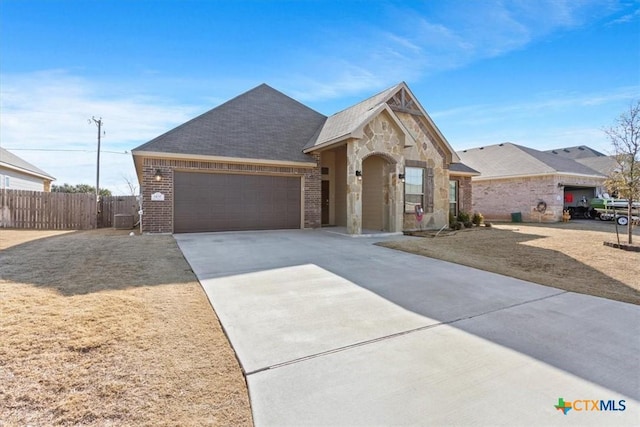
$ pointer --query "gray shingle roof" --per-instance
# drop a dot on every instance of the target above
(266, 124)
(462, 168)
(507, 159)
(12, 160)
(578, 152)
(348, 120)
(603, 164)
(259, 124)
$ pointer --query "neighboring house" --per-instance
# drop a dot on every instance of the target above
(18, 174)
(519, 180)
(265, 161)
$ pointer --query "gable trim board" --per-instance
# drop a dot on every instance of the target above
(265, 133)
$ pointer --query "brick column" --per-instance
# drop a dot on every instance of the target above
(157, 216)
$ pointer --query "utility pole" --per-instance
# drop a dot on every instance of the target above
(98, 123)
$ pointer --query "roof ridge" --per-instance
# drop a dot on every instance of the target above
(220, 106)
(259, 123)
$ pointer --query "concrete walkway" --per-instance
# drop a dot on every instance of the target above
(331, 330)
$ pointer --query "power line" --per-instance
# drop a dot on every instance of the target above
(63, 149)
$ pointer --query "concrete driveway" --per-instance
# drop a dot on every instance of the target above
(332, 330)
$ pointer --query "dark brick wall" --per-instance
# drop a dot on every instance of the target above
(158, 215)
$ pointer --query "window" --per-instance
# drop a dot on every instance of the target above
(453, 198)
(6, 182)
(413, 189)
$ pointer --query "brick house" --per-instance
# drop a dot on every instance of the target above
(515, 179)
(265, 161)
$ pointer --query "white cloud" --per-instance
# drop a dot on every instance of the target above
(50, 110)
(412, 45)
(491, 28)
(629, 17)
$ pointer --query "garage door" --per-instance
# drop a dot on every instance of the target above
(230, 202)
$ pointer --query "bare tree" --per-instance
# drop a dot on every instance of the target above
(131, 183)
(625, 139)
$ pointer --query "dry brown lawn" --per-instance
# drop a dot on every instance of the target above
(100, 328)
(566, 256)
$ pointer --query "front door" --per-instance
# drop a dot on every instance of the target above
(373, 203)
(325, 202)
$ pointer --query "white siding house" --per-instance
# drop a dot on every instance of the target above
(18, 174)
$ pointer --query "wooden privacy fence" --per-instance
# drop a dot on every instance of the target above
(113, 205)
(62, 211)
(47, 211)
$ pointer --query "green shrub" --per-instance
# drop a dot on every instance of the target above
(487, 224)
(463, 217)
(455, 225)
(477, 218)
(468, 224)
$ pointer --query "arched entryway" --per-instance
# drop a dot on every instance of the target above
(375, 193)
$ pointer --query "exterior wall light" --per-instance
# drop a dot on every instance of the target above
(401, 177)
(158, 175)
(359, 175)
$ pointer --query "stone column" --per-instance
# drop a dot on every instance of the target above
(397, 200)
(354, 191)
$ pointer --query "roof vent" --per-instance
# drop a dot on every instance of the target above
(500, 145)
(581, 148)
(481, 148)
(464, 151)
(554, 151)
(566, 151)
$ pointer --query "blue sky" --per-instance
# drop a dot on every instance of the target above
(545, 74)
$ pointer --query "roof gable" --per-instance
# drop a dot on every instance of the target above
(343, 123)
(508, 160)
(349, 122)
(12, 161)
(262, 123)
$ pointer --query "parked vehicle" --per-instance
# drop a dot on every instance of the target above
(608, 209)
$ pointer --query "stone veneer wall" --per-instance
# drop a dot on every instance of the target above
(427, 150)
(158, 215)
(383, 138)
(497, 199)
